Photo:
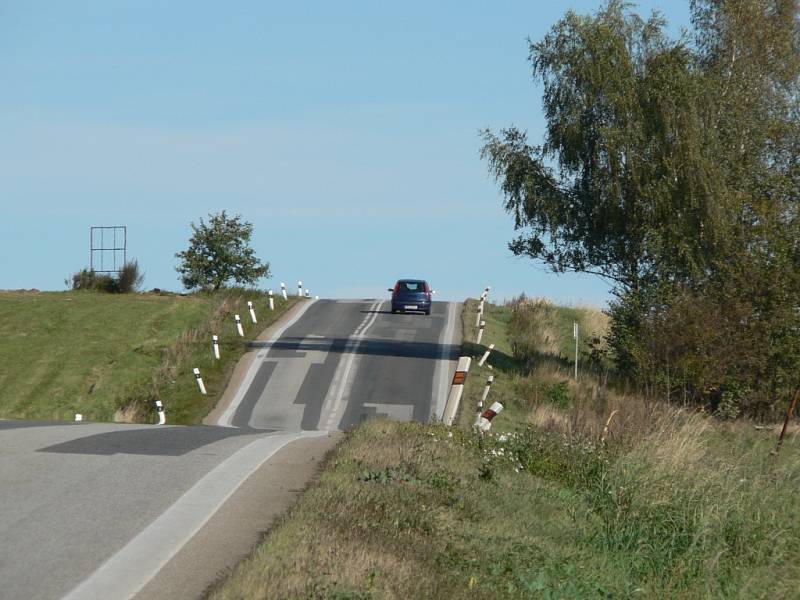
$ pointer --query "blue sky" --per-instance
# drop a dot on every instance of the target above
(347, 133)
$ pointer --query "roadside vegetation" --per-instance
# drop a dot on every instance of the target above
(110, 356)
(665, 502)
(128, 279)
(669, 166)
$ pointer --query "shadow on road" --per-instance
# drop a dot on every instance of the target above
(155, 441)
(395, 348)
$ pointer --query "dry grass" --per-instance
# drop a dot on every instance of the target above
(594, 321)
(667, 504)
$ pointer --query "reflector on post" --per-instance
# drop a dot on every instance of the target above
(454, 397)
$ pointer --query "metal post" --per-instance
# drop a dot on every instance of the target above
(575, 335)
(789, 412)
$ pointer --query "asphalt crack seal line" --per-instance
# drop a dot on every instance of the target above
(132, 567)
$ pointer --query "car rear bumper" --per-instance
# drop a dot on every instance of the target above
(412, 306)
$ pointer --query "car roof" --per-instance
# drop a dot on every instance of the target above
(411, 281)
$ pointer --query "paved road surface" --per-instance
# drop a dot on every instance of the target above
(96, 510)
(344, 362)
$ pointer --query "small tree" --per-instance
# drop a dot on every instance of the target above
(219, 251)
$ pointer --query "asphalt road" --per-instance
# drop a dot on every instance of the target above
(98, 510)
(343, 362)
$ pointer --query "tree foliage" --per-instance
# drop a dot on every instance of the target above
(672, 168)
(219, 252)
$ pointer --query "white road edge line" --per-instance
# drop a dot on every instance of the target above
(226, 418)
(132, 567)
(442, 370)
(339, 385)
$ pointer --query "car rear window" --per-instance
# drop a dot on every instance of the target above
(411, 286)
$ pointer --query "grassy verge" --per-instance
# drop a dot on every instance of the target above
(663, 503)
(108, 356)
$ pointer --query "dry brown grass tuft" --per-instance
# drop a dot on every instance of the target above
(595, 322)
(128, 414)
(318, 562)
(549, 418)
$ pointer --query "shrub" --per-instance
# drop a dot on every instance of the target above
(86, 279)
(130, 278)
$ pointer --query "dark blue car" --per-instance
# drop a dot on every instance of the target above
(411, 295)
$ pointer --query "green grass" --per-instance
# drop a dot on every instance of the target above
(108, 356)
(669, 504)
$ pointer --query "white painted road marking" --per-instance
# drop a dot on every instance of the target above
(340, 386)
(132, 567)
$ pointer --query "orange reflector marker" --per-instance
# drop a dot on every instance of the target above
(459, 378)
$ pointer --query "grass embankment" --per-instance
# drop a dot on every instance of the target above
(670, 504)
(109, 356)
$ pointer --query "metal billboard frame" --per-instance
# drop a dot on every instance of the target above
(115, 232)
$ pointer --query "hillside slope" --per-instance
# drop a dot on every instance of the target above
(108, 356)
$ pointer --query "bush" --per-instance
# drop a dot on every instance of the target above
(87, 279)
(128, 280)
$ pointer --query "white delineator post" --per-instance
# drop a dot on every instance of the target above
(575, 335)
(162, 417)
(299, 289)
(480, 332)
(283, 291)
(252, 312)
(271, 301)
(456, 389)
(215, 346)
(482, 400)
(485, 355)
(239, 325)
(485, 394)
(199, 379)
(485, 420)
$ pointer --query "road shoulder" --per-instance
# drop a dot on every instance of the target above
(239, 525)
